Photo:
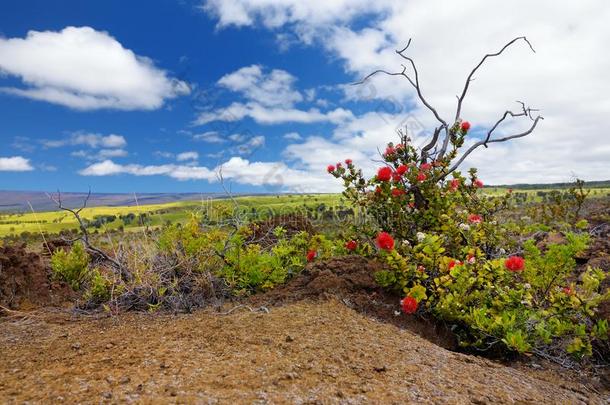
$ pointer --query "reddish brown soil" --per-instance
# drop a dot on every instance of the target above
(262, 231)
(305, 352)
(25, 282)
(350, 278)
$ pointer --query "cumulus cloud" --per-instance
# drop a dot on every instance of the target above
(236, 169)
(566, 77)
(209, 137)
(184, 156)
(272, 115)
(269, 98)
(88, 139)
(15, 164)
(272, 89)
(85, 69)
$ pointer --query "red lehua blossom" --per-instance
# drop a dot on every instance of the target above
(351, 245)
(454, 263)
(425, 166)
(396, 177)
(377, 190)
(454, 184)
(421, 268)
(567, 290)
(389, 151)
(478, 183)
(412, 204)
(514, 263)
(330, 168)
(397, 192)
(465, 126)
(311, 255)
(421, 177)
(384, 174)
(339, 164)
(475, 219)
(385, 241)
(409, 305)
(470, 258)
(348, 161)
(402, 169)
(399, 146)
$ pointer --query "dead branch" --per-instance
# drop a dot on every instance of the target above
(450, 132)
(84, 234)
(487, 139)
(473, 71)
(413, 81)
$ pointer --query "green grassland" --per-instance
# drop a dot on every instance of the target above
(132, 218)
(155, 215)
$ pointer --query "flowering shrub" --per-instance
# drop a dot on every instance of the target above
(446, 253)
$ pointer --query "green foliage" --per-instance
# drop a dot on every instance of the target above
(100, 288)
(71, 267)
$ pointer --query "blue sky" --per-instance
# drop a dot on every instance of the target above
(144, 96)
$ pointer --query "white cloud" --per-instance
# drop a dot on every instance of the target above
(88, 139)
(110, 153)
(15, 164)
(184, 156)
(293, 136)
(85, 69)
(272, 115)
(209, 137)
(566, 78)
(269, 89)
(236, 169)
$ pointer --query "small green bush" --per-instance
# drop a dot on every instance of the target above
(71, 267)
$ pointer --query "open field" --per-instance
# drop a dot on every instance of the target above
(156, 214)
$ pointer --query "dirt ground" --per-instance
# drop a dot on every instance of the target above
(304, 352)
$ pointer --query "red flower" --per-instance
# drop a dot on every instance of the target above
(412, 204)
(311, 255)
(385, 241)
(478, 183)
(399, 146)
(421, 268)
(389, 151)
(377, 190)
(454, 263)
(425, 166)
(421, 177)
(465, 126)
(514, 263)
(475, 219)
(348, 161)
(396, 177)
(402, 169)
(409, 305)
(454, 184)
(339, 165)
(470, 258)
(330, 168)
(384, 174)
(397, 192)
(567, 290)
(351, 245)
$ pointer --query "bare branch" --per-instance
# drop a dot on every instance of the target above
(84, 237)
(414, 82)
(473, 71)
(488, 140)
